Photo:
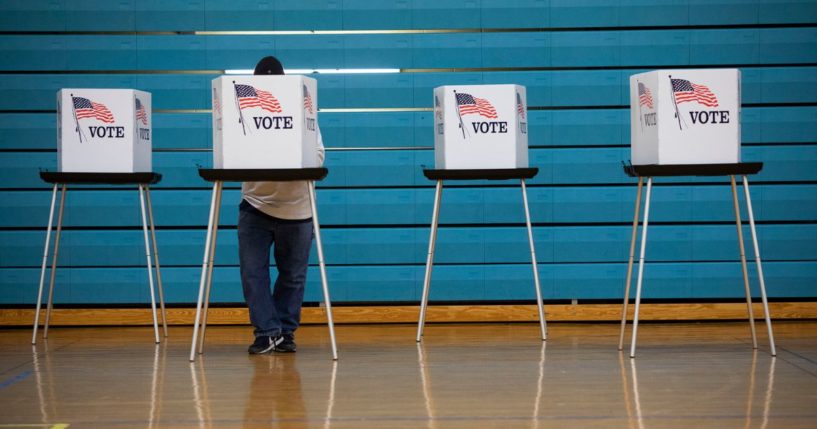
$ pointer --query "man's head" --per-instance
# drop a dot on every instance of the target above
(269, 66)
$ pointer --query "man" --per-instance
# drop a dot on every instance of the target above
(278, 215)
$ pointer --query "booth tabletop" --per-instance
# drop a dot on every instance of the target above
(738, 169)
(148, 178)
(481, 174)
(262, 175)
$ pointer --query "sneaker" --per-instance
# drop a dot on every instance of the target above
(264, 344)
(286, 344)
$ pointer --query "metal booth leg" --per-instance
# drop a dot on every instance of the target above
(149, 263)
(540, 308)
(322, 264)
(204, 266)
(156, 260)
(211, 262)
(45, 262)
(738, 222)
(430, 260)
(50, 305)
(630, 264)
(759, 267)
(641, 267)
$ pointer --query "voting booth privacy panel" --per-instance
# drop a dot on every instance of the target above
(685, 117)
(265, 122)
(480, 126)
(575, 60)
(103, 130)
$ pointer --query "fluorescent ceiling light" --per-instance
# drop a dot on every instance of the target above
(320, 71)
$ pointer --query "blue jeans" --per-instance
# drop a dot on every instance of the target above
(277, 312)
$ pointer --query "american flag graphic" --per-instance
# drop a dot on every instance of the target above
(248, 97)
(216, 103)
(687, 91)
(520, 108)
(438, 111)
(308, 100)
(141, 114)
(85, 108)
(469, 105)
(644, 96)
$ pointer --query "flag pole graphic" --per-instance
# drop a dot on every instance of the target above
(220, 118)
(640, 116)
(675, 103)
(305, 93)
(519, 109)
(459, 115)
(238, 106)
(76, 121)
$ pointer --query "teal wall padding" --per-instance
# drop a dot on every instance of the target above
(573, 56)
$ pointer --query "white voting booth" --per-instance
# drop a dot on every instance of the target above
(687, 123)
(104, 130)
(685, 117)
(103, 137)
(265, 122)
(480, 126)
(265, 128)
(480, 133)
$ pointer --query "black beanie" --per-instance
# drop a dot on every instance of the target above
(269, 65)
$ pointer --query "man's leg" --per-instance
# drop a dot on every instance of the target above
(293, 241)
(255, 236)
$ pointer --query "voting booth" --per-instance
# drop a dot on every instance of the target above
(685, 117)
(264, 130)
(103, 137)
(480, 133)
(265, 122)
(687, 123)
(104, 130)
(480, 126)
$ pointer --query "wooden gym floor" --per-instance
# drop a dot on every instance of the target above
(686, 375)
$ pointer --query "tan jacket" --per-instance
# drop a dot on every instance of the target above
(283, 200)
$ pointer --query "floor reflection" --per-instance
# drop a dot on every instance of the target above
(275, 390)
(38, 377)
(56, 388)
(640, 416)
(330, 403)
(767, 403)
(200, 401)
(425, 379)
(435, 415)
(462, 376)
(157, 384)
(539, 386)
